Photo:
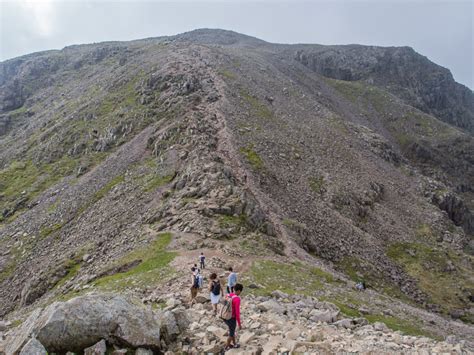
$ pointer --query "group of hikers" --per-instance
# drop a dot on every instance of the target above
(230, 300)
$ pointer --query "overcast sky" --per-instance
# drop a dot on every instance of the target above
(441, 30)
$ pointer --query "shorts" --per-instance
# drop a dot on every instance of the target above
(232, 324)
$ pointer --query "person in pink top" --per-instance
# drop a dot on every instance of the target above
(235, 320)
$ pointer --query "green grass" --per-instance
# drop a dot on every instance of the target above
(107, 187)
(429, 266)
(25, 180)
(362, 270)
(232, 221)
(293, 278)
(257, 108)
(72, 266)
(227, 74)
(153, 268)
(252, 157)
(316, 184)
(46, 231)
(424, 231)
(153, 181)
(409, 327)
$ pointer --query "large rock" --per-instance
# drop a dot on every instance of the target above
(83, 321)
(33, 347)
(326, 315)
(271, 306)
(98, 349)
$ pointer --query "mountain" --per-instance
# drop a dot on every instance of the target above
(345, 162)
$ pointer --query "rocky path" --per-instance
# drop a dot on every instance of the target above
(281, 323)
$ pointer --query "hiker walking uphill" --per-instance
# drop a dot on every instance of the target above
(216, 291)
(196, 283)
(230, 313)
(202, 259)
(231, 280)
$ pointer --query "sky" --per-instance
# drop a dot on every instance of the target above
(440, 30)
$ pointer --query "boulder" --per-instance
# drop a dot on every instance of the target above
(271, 306)
(245, 337)
(279, 294)
(3, 326)
(83, 321)
(33, 347)
(326, 315)
(345, 323)
(98, 349)
(169, 329)
(202, 299)
(141, 351)
(380, 327)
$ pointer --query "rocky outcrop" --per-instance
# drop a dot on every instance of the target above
(401, 71)
(83, 321)
(455, 208)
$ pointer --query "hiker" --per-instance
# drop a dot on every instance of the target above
(194, 283)
(360, 286)
(202, 258)
(231, 281)
(234, 318)
(215, 291)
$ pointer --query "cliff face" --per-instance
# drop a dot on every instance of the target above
(400, 71)
(350, 157)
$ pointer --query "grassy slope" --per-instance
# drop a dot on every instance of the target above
(428, 265)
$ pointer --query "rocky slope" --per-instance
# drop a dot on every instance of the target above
(352, 160)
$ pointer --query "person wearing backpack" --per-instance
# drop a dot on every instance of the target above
(215, 291)
(194, 283)
(230, 313)
(231, 281)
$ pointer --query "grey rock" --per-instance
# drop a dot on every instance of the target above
(83, 321)
(271, 306)
(141, 351)
(98, 349)
(33, 347)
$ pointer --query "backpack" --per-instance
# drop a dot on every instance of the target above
(196, 281)
(226, 310)
(216, 288)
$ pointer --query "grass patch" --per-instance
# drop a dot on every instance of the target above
(442, 275)
(252, 157)
(424, 231)
(21, 181)
(409, 327)
(361, 270)
(316, 184)
(46, 231)
(72, 266)
(109, 186)
(153, 181)
(153, 268)
(293, 278)
(227, 74)
(232, 221)
(257, 108)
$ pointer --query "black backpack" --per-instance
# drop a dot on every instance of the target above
(216, 288)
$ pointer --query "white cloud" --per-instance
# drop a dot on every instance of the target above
(41, 13)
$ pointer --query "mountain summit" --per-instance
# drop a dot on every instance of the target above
(308, 167)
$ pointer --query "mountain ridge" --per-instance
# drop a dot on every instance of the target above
(239, 148)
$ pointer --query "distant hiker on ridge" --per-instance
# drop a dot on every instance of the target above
(202, 259)
(231, 281)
